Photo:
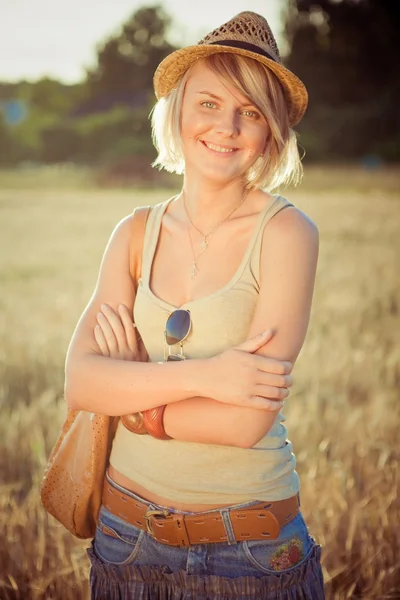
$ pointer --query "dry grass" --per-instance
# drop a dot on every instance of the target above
(343, 416)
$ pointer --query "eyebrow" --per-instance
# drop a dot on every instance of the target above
(206, 93)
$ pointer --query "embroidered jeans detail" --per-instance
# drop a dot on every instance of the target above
(288, 555)
(287, 552)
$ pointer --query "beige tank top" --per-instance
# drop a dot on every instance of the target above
(189, 472)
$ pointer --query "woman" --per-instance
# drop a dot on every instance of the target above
(204, 502)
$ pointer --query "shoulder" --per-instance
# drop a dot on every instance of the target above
(292, 228)
(125, 227)
(121, 233)
(289, 246)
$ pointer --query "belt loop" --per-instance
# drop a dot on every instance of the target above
(226, 519)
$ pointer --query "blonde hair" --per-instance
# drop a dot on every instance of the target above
(280, 163)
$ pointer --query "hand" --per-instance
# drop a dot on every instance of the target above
(116, 335)
(242, 378)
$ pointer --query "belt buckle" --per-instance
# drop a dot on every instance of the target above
(151, 513)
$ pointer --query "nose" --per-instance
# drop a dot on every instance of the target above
(228, 124)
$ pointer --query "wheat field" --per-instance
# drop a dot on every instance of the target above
(342, 415)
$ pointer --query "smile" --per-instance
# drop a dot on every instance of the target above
(219, 148)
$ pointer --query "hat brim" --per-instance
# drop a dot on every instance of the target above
(172, 68)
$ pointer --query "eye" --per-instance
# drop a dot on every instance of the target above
(208, 104)
(251, 113)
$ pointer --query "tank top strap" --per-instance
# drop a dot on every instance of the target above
(253, 265)
(151, 236)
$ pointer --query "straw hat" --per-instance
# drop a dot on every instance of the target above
(247, 34)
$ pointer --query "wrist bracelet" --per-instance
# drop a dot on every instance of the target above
(134, 423)
(153, 421)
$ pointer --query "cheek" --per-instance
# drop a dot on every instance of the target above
(259, 140)
(194, 123)
(256, 146)
(187, 134)
(257, 133)
(189, 131)
(188, 127)
(185, 120)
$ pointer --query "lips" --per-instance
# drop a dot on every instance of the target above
(220, 149)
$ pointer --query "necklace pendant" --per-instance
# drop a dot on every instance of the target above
(194, 270)
(204, 245)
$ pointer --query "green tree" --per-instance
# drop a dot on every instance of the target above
(59, 143)
(126, 62)
(344, 51)
(54, 97)
(102, 119)
(11, 151)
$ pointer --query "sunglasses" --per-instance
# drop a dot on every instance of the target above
(177, 328)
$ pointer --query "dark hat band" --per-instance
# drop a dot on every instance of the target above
(243, 46)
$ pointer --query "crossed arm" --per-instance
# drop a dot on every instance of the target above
(288, 265)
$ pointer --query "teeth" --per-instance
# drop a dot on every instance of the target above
(218, 148)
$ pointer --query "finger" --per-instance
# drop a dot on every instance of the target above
(108, 334)
(143, 356)
(101, 340)
(274, 393)
(129, 327)
(273, 365)
(255, 343)
(274, 380)
(267, 404)
(116, 325)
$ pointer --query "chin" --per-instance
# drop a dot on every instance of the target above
(221, 178)
(221, 175)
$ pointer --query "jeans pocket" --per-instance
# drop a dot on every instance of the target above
(291, 549)
(116, 542)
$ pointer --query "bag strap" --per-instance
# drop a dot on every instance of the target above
(138, 229)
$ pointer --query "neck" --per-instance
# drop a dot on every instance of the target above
(208, 203)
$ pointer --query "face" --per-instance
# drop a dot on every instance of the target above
(222, 132)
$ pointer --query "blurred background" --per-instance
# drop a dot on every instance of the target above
(75, 157)
(76, 78)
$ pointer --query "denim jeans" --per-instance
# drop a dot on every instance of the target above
(131, 564)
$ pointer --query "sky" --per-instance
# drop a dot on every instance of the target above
(58, 38)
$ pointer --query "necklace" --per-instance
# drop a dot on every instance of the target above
(206, 236)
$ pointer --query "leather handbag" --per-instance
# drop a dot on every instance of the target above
(72, 486)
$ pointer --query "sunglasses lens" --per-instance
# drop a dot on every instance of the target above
(177, 327)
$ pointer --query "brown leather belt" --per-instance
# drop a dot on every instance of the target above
(261, 521)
